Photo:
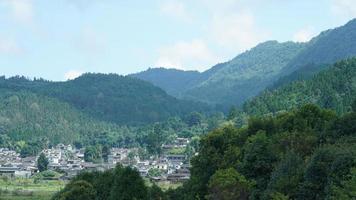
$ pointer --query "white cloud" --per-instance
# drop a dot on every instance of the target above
(9, 46)
(92, 42)
(230, 29)
(22, 10)
(236, 31)
(72, 74)
(186, 55)
(304, 35)
(345, 8)
(176, 9)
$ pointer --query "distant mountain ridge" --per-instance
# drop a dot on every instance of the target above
(268, 64)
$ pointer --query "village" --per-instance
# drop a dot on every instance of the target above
(69, 161)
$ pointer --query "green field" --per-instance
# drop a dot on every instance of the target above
(28, 189)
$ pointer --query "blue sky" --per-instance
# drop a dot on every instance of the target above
(60, 39)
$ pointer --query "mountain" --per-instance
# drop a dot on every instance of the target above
(327, 48)
(28, 116)
(246, 75)
(173, 81)
(333, 88)
(112, 98)
(268, 65)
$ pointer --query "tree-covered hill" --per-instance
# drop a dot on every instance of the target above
(173, 81)
(270, 64)
(333, 88)
(30, 117)
(246, 75)
(307, 153)
(327, 48)
(113, 98)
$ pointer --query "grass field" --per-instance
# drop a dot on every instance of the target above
(28, 189)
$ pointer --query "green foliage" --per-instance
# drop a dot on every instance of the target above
(121, 183)
(40, 120)
(42, 162)
(286, 177)
(105, 151)
(128, 185)
(270, 64)
(78, 190)
(153, 172)
(194, 119)
(233, 82)
(92, 154)
(294, 155)
(334, 88)
(173, 81)
(111, 98)
(228, 184)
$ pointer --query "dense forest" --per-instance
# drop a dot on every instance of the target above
(308, 153)
(112, 98)
(30, 122)
(332, 88)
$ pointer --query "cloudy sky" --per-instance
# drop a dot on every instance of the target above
(60, 39)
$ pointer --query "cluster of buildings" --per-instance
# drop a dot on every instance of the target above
(70, 161)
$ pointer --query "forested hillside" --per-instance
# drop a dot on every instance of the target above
(113, 98)
(334, 88)
(308, 153)
(175, 82)
(304, 154)
(268, 65)
(327, 48)
(25, 116)
(246, 75)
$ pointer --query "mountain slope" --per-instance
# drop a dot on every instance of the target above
(112, 98)
(333, 88)
(270, 64)
(173, 81)
(28, 116)
(246, 75)
(327, 48)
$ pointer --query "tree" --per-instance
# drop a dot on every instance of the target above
(105, 153)
(155, 193)
(78, 190)
(42, 162)
(353, 106)
(91, 154)
(194, 119)
(258, 161)
(233, 113)
(286, 177)
(347, 188)
(128, 185)
(316, 174)
(228, 184)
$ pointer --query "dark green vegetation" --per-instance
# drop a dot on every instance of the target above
(270, 64)
(28, 116)
(111, 98)
(170, 80)
(334, 88)
(121, 183)
(30, 122)
(42, 163)
(308, 153)
(88, 111)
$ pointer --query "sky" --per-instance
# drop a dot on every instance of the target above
(61, 39)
